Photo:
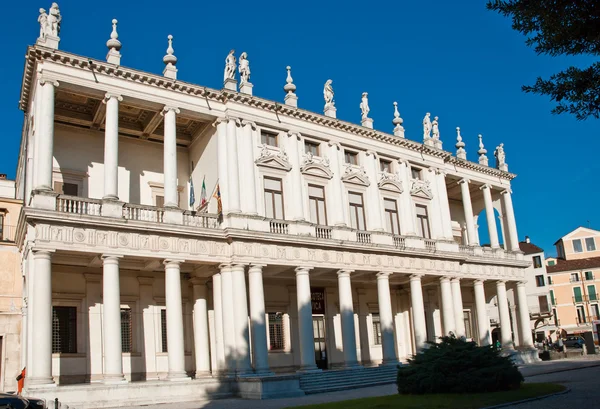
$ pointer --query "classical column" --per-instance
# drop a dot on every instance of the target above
(296, 206)
(111, 320)
(407, 212)
(227, 301)
(447, 306)
(459, 320)
(444, 205)
(218, 309)
(201, 341)
(40, 373)
(111, 146)
(483, 321)
(175, 348)
(338, 207)
(232, 166)
(45, 140)
(246, 160)
(170, 156)
(489, 214)
(347, 318)
(504, 314)
(510, 220)
(374, 202)
(435, 212)
(305, 324)
(386, 319)
(418, 312)
(524, 325)
(222, 165)
(257, 320)
(240, 319)
(468, 209)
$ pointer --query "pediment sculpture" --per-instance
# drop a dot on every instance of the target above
(421, 188)
(316, 166)
(356, 175)
(273, 159)
(390, 181)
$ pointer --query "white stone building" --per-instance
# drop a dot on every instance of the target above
(337, 245)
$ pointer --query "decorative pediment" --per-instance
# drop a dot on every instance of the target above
(389, 181)
(316, 166)
(421, 188)
(273, 159)
(356, 175)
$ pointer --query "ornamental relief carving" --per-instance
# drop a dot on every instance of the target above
(421, 188)
(316, 166)
(390, 181)
(356, 175)
(273, 159)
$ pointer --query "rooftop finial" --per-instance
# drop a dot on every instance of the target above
(397, 121)
(483, 159)
(290, 88)
(170, 60)
(114, 45)
(460, 146)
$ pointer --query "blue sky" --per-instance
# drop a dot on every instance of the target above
(454, 59)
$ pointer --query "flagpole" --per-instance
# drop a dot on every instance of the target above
(212, 194)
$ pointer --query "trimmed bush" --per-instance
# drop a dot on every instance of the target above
(457, 366)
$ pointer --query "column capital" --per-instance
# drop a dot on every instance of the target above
(336, 144)
(238, 266)
(168, 108)
(463, 180)
(255, 267)
(383, 275)
(505, 191)
(433, 169)
(171, 262)
(42, 253)
(455, 279)
(293, 134)
(247, 122)
(225, 266)
(302, 270)
(344, 272)
(485, 186)
(478, 281)
(111, 258)
(416, 277)
(521, 283)
(44, 79)
(445, 279)
(110, 95)
(371, 153)
(500, 282)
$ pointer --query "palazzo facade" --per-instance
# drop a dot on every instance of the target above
(324, 244)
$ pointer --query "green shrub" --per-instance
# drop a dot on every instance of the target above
(457, 366)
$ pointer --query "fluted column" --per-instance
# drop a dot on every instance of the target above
(111, 147)
(418, 311)
(296, 206)
(260, 350)
(246, 160)
(447, 306)
(504, 314)
(338, 207)
(347, 318)
(45, 140)
(444, 205)
(176, 352)
(233, 174)
(305, 324)
(489, 214)
(386, 319)
(459, 321)
(201, 341)
(374, 203)
(524, 325)
(40, 373)
(222, 165)
(170, 156)
(483, 321)
(468, 210)
(111, 300)
(407, 212)
(510, 220)
(240, 319)
(435, 212)
(218, 309)
(227, 302)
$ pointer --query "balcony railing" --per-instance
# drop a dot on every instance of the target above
(279, 226)
(363, 237)
(78, 205)
(7, 233)
(323, 232)
(574, 279)
(143, 213)
(204, 220)
(429, 245)
(399, 242)
(466, 249)
(579, 299)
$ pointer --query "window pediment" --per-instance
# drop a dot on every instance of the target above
(421, 188)
(271, 159)
(356, 175)
(389, 181)
(316, 166)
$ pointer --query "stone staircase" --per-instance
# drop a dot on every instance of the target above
(337, 380)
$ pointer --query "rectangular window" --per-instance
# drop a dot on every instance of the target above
(543, 303)
(551, 262)
(276, 333)
(580, 315)
(357, 211)
(351, 157)
(311, 147)
(376, 329)
(560, 250)
(596, 311)
(160, 201)
(416, 173)
(589, 275)
(574, 277)
(577, 246)
(69, 189)
(423, 221)
(467, 321)
(316, 202)
(549, 280)
(385, 166)
(163, 329)
(64, 330)
(268, 138)
(552, 299)
(590, 245)
(537, 262)
(577, 294)
(126, 333)
(592, 293)
(539, 281)
(391, 216)
(274, 198)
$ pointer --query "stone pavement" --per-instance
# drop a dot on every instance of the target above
(583, 383)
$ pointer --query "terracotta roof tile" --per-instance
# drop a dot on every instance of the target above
(570, 265)
(529, 248)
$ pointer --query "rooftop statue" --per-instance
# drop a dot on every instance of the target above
(244, 68)
(427, 126)
(500, 156)
(435, 129)
(229, 66)
(54, 20)
(43, 20)
(364, 105)
(328, 94)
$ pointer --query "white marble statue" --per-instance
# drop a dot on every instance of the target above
(43, 20)
(229, 66)
(328, 94)
(500, 156)
(364, 105)
(427, 126)
(435, 130)
(244, 68)
(54, 19)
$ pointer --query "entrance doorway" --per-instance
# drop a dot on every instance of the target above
(319, 337)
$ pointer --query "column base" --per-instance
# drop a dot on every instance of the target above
(112, 208)
(263, 372)
(40, 383)
(390, 363)
(44, 198)
(178, 377)
(114, 380)
(202, 375)
(308, 369)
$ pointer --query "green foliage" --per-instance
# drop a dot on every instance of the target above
(457, 366)
(557, 27)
